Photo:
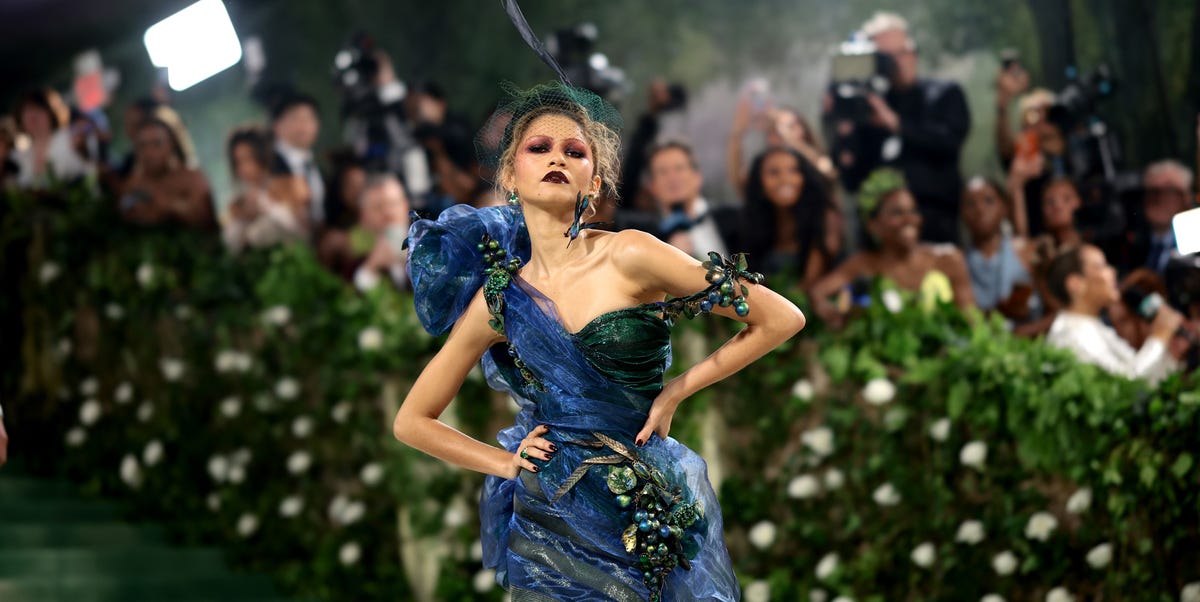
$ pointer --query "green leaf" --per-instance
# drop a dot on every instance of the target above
(1182, 465)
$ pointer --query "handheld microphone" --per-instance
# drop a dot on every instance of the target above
(1146, 305)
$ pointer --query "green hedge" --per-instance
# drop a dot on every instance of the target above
(208, 389)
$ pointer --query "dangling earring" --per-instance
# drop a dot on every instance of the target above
(581, 205)
(512, 197)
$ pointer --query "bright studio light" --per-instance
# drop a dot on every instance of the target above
(194, 44)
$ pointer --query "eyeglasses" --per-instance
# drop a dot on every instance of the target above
(1164, 191)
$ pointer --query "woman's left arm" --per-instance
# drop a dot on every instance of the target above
(771, 321)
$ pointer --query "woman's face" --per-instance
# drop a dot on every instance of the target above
(782, 180)
(246, 167)
(982, 209)
(1059, 203)
(787, 130)
(153, 147)
(897, 225)
(553, 162)
(36, 121)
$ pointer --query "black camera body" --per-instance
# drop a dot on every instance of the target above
(575, 50)
(1078, 101)
(858, 69)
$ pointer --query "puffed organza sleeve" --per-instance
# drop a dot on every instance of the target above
(447, 266)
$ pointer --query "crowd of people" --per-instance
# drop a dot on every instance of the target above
(1052, 248)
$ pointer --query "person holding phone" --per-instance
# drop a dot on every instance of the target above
(163, 188)
(372, 251)
(782, 127)
(269, 209)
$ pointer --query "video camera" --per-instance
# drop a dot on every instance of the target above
(858, 69)
(1079, 99)
(575, 50)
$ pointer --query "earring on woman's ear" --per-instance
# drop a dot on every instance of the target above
(512, 197)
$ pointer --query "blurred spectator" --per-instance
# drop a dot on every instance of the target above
(1081, 279)
(373, 249)
(268, 209)
(1167, 190)
(784, 127)
(47, 151)
(295, 124)
(346, 187)
(893, 250)
(919, 127)
(138, 111)
(685, 219)
(8, 142)
(162, 188)
(784, 217)
(90, 136)
(998, 262)
(665, 102)
(449, 143)
(3, 440)
(1123, 314)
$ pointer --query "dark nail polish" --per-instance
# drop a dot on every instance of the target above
(535, 469)
(553, 448)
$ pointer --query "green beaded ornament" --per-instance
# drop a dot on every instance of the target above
(500, 271)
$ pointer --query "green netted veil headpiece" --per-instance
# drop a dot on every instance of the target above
(878, 186)
(554, 97)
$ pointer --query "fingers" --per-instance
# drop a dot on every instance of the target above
(537, 447)
(643, 436)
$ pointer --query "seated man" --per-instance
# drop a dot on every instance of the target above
(1082, 280)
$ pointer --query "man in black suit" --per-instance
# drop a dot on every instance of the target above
(1166, 189)
(295, 124)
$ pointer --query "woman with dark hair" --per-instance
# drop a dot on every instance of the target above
(162, 187)
(268, 209)
(782, 127)
(785, 216)
(43, 117)
(892, 250)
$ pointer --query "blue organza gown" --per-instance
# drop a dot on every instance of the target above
(603, 519)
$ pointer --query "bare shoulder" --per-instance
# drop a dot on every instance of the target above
(629, 247)
(947, 257)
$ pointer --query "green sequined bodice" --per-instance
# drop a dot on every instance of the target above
(630, 346)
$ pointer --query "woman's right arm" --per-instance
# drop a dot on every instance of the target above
(833, 282)
(735, 171)
(417, 423)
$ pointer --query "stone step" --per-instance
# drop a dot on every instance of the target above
(122, 561)
(34, 510)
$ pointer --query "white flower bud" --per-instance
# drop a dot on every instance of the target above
(302, 427)
(153, 453)
(973, 455)
(277, 315)
(1190, 592)
(484, 581)
(819, 440)
(992, 598)
(349, 553)
(803, 487)
(1099, 556)
(371, 474)
(1004, 563)
(145, 275)
(213, 501)
(291, 506)
(834, 479)
(892, 300)
(145, 411)
(341, 412)
(1040, 526)
(1080, 501)
(1059, 594)
(370, 339)
(879, 391)
(970, 532)
(287, 388)
(803, 390)
(886, 495)
(123, 393)
(88, 387)
(218, 468)
(762, 534)
(131, 472)
(89, 412)
(757, 591)
(114, 312)
(827, 566)
(298, 462)
(231, 407)
(247, 524)
(76, 437)
(172, 369)
(48, 271)
(924, 555)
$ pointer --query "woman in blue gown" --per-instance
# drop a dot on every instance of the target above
(588, 497)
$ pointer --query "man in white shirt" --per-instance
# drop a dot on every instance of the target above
(687, 222)
(295, 124)
(1081, 278)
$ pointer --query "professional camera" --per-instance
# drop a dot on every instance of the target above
(575, 51)
(1078, 100)
(858, 69)
(356, 68)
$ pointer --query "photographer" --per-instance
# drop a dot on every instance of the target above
(665, 104)
(918, 126)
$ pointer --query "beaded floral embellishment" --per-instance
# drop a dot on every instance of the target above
(500, 271)
(725, 289)
(658, 511)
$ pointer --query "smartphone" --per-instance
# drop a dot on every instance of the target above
(1028, 144)
(759, 90)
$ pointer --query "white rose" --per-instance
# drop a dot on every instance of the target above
(762, 534)
(145, 275)
(1190, 592)
(172, 369)
(213, 501)
(879, 391)
(834, 479)
(973, 455)
(291, 506)
(218, 468)
(924, 555)
(886, 495)
(484, 581)
(131, 472)
(337, 506)
(476, 553)
(827, 566)
(48, 272)
(89, 412)
(894, 419)
(183, 312)
(302, 427)
(843, 599)
(456, 515)
(287, 388)
(123, 393)
(817, 595)
(242, 361)
(298, 462)
(370, 339)
(145, 411)
(247, 524)
(1100, 556)
(63, 348)
(237, 474)
(803, 390)
(241, 457)
(1004, 563)
(992, 598)
(1059, 594)
(114, 312)
(1080, 501)
(1040, 526)
(349, 553)
(892, 300)
(224, 361)
(757, 591)
(371, 474)
(76, 436)
(88, 387)
(970, 532)
(341, 412)
(940, 429)
(231, 407)
(803, 487)
(153, 453)
(819, 440)
(352, 512)
(277, 315)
